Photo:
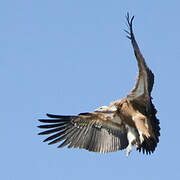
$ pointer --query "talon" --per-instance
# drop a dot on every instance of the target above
(128, 150)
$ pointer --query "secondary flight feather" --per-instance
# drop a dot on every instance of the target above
(127, 122)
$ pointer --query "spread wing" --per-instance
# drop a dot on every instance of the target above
(140, 96)
(145, 79)
(92, 131)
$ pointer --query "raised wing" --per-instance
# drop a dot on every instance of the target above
(92, 131)
(145, 78)
(140, 96)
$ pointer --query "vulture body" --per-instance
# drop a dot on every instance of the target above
(128, 122)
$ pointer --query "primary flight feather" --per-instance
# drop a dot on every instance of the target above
(127, 122)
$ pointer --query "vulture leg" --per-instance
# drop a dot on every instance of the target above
(128, 150)
(132, 138)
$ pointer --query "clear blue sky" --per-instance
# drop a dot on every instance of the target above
(71, 56)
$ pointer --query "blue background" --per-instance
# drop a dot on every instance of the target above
(67, 57)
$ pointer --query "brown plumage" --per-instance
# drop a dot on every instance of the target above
(128, 122)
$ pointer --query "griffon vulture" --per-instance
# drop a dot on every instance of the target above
(128, 122)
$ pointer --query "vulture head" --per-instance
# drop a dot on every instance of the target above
(106, 109)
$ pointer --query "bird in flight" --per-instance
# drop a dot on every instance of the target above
(127, 122)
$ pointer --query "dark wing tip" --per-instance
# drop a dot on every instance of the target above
(59, 116)
(128, 19)
(41, 133)
(129, 24)
(85, 113)
(148, 146)
(53, 115)
(49, 120)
